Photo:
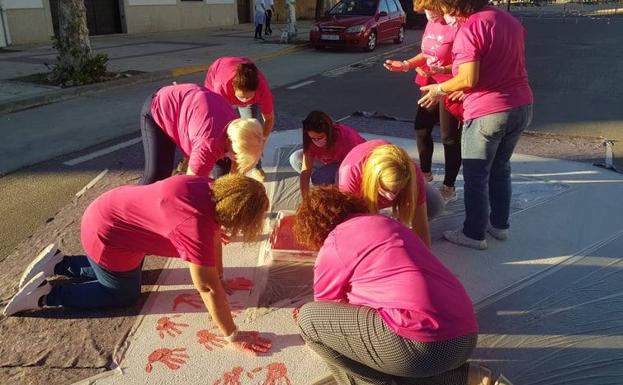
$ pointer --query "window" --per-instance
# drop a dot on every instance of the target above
(393, 8)
(354, 7)
(383, 6)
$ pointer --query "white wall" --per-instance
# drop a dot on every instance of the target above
(21, 4)
(152, 2)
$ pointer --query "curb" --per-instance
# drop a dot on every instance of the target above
(16, 105)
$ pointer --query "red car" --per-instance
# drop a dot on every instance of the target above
(359, 23)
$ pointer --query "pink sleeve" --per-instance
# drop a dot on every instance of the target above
(421, 185)
(330, 274)
(194, 240)
(265, 99)
(469, 44)
(203, 157)
(348, 181)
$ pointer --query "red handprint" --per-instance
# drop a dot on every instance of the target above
(172, 358)
(210, 340)
(251, 342)
(168, 326)
(230, 378)
(276, 374)
(239, 283)
(193, 300)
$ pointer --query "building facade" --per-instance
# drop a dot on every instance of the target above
(35, 21)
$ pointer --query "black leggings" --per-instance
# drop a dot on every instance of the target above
(425, 120)
(269, 15)
(159, 148)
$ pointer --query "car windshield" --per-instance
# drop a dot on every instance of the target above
(354, 8)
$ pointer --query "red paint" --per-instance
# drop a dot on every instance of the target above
(193, 300)
(239, 283)
(210, 340)
(283, 235)
(230, 378)
(171, 358)
(277, 374)
(168, 326)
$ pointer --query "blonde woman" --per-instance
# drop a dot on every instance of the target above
(205, 128)
(180, 217)
(385, 176)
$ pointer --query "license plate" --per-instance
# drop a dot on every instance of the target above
(330, 37)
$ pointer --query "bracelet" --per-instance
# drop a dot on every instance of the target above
(232, 336)
(407, 64)
(439, 91)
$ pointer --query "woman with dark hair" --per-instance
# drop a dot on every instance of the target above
(385, 310)
(238, 80)
(489, 71)
(434, 65)
(325, 145)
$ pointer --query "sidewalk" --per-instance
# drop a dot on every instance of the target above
(141, 57)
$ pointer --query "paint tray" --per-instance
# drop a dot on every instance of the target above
(282, 245)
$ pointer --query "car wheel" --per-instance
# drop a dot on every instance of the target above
(371, 41)
(401, 35)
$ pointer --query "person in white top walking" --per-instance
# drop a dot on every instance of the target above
(260, 18)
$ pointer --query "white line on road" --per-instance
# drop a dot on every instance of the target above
(301, 84)
(92, 183)
(101, 152)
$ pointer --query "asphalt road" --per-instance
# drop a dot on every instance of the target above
(575, 72)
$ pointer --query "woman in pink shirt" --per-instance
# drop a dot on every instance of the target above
(325, 145)
(204, 127)
(178, 217)
(385, 176)
(434, 65)
(385, 310)
(238, 80)
(490, 73)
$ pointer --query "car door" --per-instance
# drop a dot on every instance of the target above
(383, 21)
(394, 19)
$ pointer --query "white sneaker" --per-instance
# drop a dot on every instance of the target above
(499, 234)
(457, 237)
(45, 262)
(27, 298)
(448, 194)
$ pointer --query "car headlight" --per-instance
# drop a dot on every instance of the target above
(355, 29)
(315, 28)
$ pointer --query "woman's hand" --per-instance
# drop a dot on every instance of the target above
(421, 72)
(249, 342)
(432, 95)
(457, 95)
(396, 66)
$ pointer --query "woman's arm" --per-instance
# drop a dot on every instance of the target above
(305, 176)
(269, 122)
(466, 78)
(405, 65)
(420, 224)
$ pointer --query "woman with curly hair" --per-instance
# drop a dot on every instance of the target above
(205, 128)
(325, 144)
(385, 176)
(179, 217)
(385, 310)
(489, 70)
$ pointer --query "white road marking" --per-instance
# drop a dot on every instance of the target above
(342, 119)
(101, 152)
(303, 84)
(92, 183)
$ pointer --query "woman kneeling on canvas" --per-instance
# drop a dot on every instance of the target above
(386, 310)
(385, 176)
(178, 217)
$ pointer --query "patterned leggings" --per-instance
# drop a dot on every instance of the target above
(360, 349)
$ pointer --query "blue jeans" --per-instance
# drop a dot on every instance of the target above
(321, 173)
(103, 288)
(252, 111)
(487, 145)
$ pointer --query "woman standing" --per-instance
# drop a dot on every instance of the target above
(325, 145)
(434, 65)
(179, 217)
(489, 70)
(385, 310)
(204, 127)
(384, 175)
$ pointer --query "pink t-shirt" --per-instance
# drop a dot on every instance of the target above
(350, 174)
(495, 39)
(196, 119)
(372, 260)
(170, 218)
(220, 78)
(436, 47)
(345, 139)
